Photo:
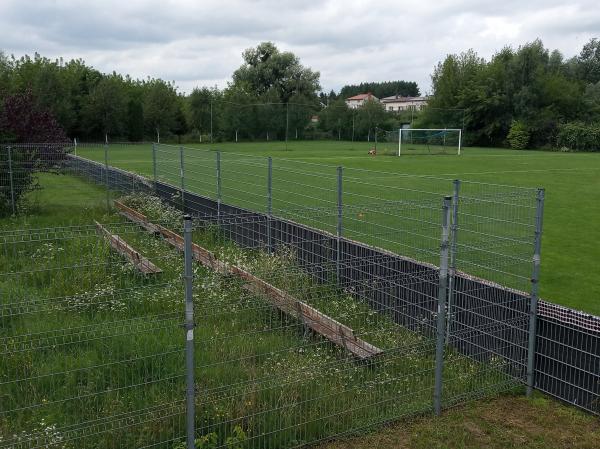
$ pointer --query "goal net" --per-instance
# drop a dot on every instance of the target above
(424, 141)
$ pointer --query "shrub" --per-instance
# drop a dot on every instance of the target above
(579, 136)
(22, 120)
(518, 135)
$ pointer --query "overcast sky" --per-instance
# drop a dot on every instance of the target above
(200, 42)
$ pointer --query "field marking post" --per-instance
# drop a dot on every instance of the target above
(441, 307)
(107, 183)
(189, 326)
(182, 176)
(11, 181)
(452, 269)
(339, 226)
(218, 186)
(269, 201)
(535, 276)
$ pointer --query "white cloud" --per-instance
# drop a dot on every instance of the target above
(200, 42)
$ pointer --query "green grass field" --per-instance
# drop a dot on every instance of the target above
(570, 248)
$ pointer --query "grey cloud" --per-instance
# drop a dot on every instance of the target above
(200, 42)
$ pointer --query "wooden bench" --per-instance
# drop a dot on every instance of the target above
(317, 321)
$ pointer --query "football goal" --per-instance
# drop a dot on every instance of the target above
(426, 141)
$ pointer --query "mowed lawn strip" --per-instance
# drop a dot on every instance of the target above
(507, 422)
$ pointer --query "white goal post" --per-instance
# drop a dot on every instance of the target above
(439, 133)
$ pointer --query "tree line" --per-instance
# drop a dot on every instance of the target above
(271, 96)
(382, 89)
(529, 97)
(89, 104)
(524, 97)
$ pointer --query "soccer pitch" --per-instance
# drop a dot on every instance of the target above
(570, 246)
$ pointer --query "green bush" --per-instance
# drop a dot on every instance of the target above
(518, 135)
(579, 136)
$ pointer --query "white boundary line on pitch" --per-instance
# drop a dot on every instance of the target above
(496, 172)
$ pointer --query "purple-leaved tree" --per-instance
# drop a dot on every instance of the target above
(32, 141)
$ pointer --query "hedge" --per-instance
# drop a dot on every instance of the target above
(579, 136)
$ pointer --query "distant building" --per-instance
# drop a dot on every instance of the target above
(398, 103)
(358, 100)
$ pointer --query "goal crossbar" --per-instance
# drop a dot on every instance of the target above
(440, 131)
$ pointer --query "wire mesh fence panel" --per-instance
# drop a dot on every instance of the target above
(307, 193)
(493, 229)
(490, 315)
(168, 164)
(488, 306)
(243, 181)
(32, 173)
(394, 212)
(288, 349)
(298, 346)
(318, 295)
(21, 166)
(90, 340)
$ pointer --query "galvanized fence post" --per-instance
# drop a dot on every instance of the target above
(154, 172)
(287, 123)
(441, 307)
(189, 332)
(452, 268)
(535, 276)
(11, 181)
(339, 227)
(106, 179)
(269, 202)
(182, 176)
(218, 186)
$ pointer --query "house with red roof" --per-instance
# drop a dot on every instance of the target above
(358, 100)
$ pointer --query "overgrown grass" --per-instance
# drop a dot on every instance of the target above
(89, 337)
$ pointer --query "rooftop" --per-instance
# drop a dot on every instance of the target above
(361, 96)
(400, 99)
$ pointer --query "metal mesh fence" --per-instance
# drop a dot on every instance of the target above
(387, 210)
(323, 305)
(91, 346)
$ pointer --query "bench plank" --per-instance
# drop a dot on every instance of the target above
(124, 249)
